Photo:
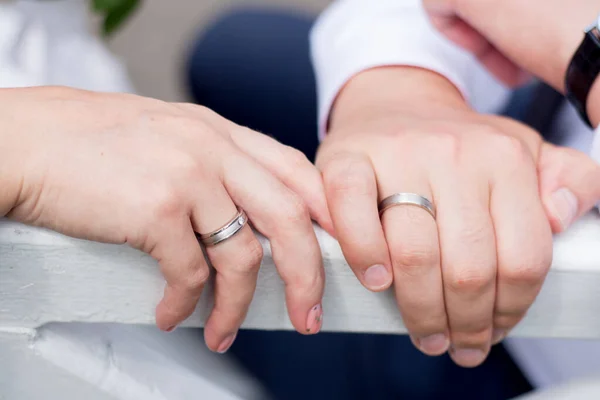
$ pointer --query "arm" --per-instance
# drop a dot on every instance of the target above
(353, 36)
(539, 36)
(125, 169)
(465, 279)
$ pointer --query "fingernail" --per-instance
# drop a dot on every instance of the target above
(434, 344)
(498, 336)
(226, 344)
(565, 206)
(171, 328)
(377, 277)
(468, 357)
(314, 320)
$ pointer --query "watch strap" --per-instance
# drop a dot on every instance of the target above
(582, 73)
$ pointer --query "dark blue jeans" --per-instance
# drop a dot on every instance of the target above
(253, 67)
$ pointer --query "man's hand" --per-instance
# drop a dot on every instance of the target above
(514, 36)
(466, 279)
(125, 169)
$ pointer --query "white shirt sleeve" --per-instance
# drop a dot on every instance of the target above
(355, 35)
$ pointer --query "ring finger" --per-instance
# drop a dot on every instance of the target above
(412, 238)
(236, 261)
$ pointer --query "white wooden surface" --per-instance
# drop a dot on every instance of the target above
(46, 277)
(116, 362)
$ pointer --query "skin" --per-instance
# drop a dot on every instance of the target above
(463, 281)
(119, 168)
(515, 39)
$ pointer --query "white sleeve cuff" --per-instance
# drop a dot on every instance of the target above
(355, 35)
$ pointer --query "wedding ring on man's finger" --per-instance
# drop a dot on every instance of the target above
(407, 199)
(226, 231)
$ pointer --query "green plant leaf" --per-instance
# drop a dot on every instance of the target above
(115, 13)
(106, 5)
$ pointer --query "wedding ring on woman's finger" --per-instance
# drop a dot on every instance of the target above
(226, 231)
(407, 199)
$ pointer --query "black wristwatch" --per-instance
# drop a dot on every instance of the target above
(583, 71)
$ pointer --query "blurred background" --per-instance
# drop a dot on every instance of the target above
(253, 68)
(154, 41)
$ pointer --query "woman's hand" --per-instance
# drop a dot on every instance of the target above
(468, 277)
(125, 169)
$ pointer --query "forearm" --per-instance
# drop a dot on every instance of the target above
(554, 30)
(539, 35)
(385, 91)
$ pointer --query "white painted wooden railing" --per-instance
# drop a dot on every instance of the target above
(46, 277)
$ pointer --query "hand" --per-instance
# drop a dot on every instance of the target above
(466, 279)
(125, 169)
(513, 38)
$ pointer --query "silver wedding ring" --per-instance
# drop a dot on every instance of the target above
(228, 230)
(407, 199)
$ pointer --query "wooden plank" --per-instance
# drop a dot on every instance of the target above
(76, 361)
(47, 277)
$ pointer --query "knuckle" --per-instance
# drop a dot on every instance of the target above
(195, 281)
(507, 321)
(252, 255)
(348, 174)
(415, 259)
(166, 202)
(527, 268)
(197, 131)
(246, 259)
(470, 281)
(305, 281)
(294, 211)
(64, 92)
(423, 324)
(447, 146)
(296, 159)
(197, 109)
(529, 274)
(510, 149)
(185, 165)
(475, 338)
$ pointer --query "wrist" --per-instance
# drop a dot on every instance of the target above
(12, 151)
(539, 36)
(380, 92)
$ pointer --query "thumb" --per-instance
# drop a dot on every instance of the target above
(569, 184)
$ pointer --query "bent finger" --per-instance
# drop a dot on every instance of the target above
(351, 189)
(236, 261)
(185, 269)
